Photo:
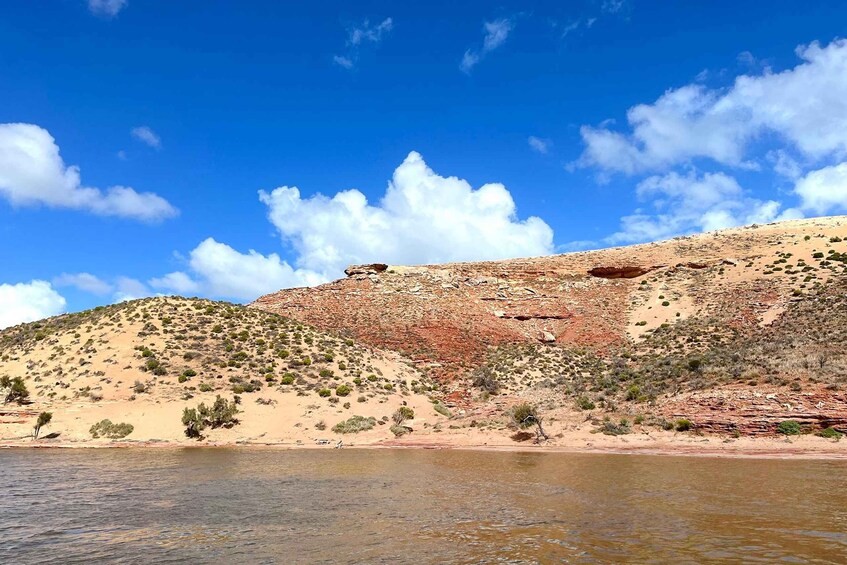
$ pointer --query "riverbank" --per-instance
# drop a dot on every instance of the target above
(659, 443)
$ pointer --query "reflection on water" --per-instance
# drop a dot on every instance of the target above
(230, 505)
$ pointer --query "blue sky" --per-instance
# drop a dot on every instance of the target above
(505, 130)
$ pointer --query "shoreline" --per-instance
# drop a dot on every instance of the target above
(768, 448)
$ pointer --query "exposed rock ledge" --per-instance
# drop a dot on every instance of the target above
(371, 269)
(628, 272)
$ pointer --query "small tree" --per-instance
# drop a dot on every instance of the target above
(524, 416)
(15, 389)
(220, 414)
(402, 414)
(43, 419)
(193, 422)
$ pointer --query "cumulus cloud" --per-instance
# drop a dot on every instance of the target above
(127, 288)
(177, 282)
(27, 302)
(85, 282)
(496, 33)
(107, 8)
(538, 144)
(422, 218)
(220, 270)
(32, 172)
(147, 136)
(804, 107)
(687, 203)
(359, 35)
(824, 191)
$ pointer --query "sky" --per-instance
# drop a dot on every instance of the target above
(228, 150)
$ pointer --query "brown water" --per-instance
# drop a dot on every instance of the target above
(380, 506)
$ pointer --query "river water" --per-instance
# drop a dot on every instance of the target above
(415, 506)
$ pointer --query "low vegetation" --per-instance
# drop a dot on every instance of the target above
(43, 419)
(354, 424)
(106, 429)
(220, 414)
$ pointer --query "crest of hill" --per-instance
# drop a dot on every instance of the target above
(446, 317)
(143, 361)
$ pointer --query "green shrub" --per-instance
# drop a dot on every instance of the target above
(220, 414)
(610, 428)
(325, 373)
(324, 392)
(354, 424)
(789, 428)
(372, 378)
(441, 409)
(43, 419)
(189, 373)
(182, 378)
(585, 403)
(633, 392)
(105, 428)
(830, 433)
(402, 414)
(287, 379)
(399, 430)
(683, 425)
(205, 387)
(15, 389)
(524, 415)
(342, 390)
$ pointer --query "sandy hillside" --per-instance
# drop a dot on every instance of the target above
(143, 362)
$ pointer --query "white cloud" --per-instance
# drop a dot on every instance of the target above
(108, 8)
(540, 145)
(146, 135)
(496, 33)
(691, 203)
(223, 271)
(27, 302)
(824, 190)
(127, 288)
(613, 6)
(806, 107)
(469, 60)
(746, 58)
(345, 62)
(784, 164)
(32, 172)
(85, 282)
(422, 218)
(367, 32)
(177, 282)
(358, 36)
